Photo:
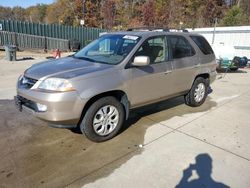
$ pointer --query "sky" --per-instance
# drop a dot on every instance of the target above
(23, 3)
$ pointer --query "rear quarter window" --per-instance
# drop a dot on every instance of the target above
(202, 43)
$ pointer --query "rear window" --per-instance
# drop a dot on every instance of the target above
(202, 43)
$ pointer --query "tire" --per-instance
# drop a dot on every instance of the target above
(234, 69)
(191, 98)
(107, 114)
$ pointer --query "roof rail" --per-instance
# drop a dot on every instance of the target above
(157, 29)
(178, 30)
(148, 29)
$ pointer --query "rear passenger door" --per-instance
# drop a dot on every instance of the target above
(184, 63)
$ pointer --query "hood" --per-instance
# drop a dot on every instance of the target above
(68, 67)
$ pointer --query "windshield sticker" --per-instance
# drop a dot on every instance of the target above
(130, 37)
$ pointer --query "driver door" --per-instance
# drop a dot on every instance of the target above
(153, 82)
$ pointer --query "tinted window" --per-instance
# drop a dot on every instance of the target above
(202, 43)
(154, 48)
(180, 47)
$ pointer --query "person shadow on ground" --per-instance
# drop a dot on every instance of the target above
(203, 167)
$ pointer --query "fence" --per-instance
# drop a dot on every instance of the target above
(24, 41)
(83, 34)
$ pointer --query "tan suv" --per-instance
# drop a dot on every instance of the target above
(95, 88)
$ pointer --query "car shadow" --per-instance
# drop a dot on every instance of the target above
(203, 167)
(163, 107)
(230, 71)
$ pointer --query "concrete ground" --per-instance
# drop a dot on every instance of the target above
(164, 145)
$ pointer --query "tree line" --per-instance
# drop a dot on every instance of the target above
(122, 14)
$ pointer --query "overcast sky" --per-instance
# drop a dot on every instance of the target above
(23, 3)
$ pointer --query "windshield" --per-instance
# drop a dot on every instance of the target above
(108, 49)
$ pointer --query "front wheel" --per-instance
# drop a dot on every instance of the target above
(103, 119)
(198, 93)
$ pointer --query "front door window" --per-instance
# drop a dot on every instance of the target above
(154, 48)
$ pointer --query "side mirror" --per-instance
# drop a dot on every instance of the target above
(141, 61)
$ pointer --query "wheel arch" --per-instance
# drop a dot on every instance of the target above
(118, 94)
(206, 76)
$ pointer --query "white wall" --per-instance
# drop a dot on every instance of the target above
(238, 37)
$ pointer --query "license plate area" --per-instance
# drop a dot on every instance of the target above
(18, 103)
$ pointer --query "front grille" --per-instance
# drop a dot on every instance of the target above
(28, 103)
(27, 82)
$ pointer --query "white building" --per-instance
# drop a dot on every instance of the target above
(236, 37)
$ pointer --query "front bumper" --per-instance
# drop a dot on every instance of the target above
(63, 109)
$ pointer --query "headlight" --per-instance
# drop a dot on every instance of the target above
(56, 84)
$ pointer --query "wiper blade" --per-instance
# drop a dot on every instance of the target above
(85, 58)
(89, 59)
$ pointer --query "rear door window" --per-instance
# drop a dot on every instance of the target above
(180, 47)
(202, 43)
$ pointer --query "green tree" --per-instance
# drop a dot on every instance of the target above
(234, 17)
(36, 13)
(245, 5)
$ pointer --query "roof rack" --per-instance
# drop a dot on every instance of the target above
(148, 29)
(178, 30)
(157, 29)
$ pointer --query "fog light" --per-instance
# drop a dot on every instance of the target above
(41, 107)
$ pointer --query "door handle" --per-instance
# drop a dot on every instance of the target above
(167, 72)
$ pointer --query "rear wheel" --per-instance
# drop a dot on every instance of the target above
(103, 119)
(198, 93)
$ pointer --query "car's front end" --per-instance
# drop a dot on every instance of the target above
(51, 99)
(50, 92)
